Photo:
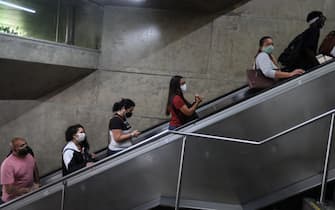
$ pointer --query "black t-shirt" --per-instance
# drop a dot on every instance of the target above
(118, 122)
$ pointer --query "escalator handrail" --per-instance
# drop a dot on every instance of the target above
(64, 178)
(204, 136)
(210, 102)
(255, 142)
(166, 132)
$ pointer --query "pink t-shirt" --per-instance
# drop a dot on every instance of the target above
(17, 171)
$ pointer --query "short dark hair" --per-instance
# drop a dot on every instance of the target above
(125, 102)
(313, 14)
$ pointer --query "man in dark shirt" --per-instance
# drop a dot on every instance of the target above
(307, 52)
(301, 52)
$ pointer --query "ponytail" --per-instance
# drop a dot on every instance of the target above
(125, 102)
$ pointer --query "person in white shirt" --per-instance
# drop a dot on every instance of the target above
(75, 155)
(267, 63)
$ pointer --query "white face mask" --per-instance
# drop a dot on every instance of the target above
(183, 87)
(81, 137)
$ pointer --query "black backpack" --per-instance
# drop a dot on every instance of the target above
(291, 54)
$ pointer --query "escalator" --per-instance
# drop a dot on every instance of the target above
(216, 174)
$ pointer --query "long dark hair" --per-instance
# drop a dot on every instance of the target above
(174, 89)
(72, 130)
(125, 102)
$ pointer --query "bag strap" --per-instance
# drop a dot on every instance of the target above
(69, 149)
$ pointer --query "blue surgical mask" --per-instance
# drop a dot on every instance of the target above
(268, 49)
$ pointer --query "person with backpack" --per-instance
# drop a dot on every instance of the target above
(180, 109)
(302, 51)
(327, 46)
(75, 156)
(120, 133)
(267, 64)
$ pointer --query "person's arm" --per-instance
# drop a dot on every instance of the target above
(15, 191)
(282, 75)
(189, 111)
(265, 64)
(36, 175)
(119, 136)
(309, 47)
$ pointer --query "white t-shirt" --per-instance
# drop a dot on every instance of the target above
(265, 64)
(121, 124)
(333, 52)
(68, 153)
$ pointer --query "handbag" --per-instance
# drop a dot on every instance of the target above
(257, 80)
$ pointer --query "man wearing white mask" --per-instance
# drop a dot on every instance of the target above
(74, 157)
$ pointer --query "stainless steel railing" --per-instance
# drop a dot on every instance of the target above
(63, 180)
(253, 142)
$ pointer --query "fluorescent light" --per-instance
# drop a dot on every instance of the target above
(17, 6)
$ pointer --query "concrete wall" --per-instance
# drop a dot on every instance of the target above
(141, 50)
(40, 51)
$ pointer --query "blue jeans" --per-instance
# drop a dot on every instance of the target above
(172, 127)
(111, 152)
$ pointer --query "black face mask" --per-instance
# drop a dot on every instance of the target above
(129, 114)
(23, 152)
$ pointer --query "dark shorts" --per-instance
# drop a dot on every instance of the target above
(111, 152)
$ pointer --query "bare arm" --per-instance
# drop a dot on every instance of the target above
(189, 111)
(36, 175)
(15, 191)
(119, 136)
(281, 74)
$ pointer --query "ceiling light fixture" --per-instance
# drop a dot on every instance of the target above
(17, 6)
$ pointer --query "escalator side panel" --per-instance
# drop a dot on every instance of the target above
(43, 200)
(237, 173)
(126, 186)
(280, 111)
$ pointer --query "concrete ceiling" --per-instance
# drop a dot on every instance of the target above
(22, 80)
(208, 6)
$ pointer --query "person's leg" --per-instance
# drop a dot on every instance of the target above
(172, 127)
(111, 152)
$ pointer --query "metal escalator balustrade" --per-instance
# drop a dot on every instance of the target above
(144, 164)
(210, 107)
(185, 136)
